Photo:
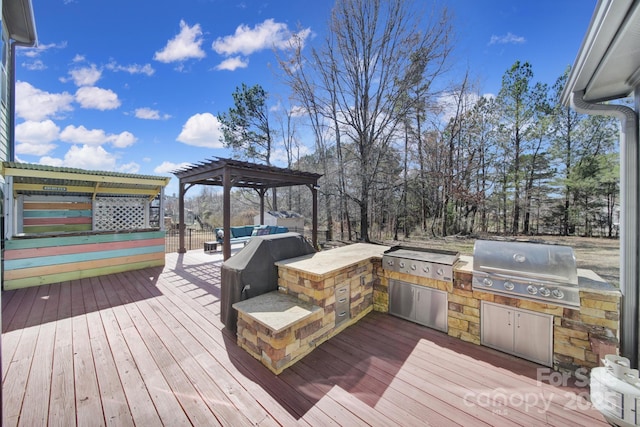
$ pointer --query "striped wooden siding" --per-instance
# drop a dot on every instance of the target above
(56, 216)
(4, 121)
(40, 261)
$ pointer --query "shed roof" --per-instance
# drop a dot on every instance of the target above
(29, 178)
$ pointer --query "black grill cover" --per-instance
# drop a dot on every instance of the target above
(252, 271)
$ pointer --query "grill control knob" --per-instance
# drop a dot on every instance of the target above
(401, 264)
(545, 292)
(413, 266)
(557, 293)
(532, 289)
(487, 282)
(390, 262)
(508, 285)
(426, 269)
(440, 272)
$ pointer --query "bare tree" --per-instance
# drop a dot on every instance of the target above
(374, 42)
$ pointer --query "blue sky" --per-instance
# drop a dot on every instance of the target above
(135, 86)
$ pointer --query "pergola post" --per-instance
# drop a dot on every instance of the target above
(226, 215)
(314, 218)
(181, 227)
(262, 192)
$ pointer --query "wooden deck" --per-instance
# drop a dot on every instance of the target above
(147, 348)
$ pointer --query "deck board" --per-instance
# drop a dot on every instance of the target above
(147, 348)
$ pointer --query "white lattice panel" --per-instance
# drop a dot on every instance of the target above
(119, 213)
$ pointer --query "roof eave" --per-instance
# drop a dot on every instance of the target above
(20, 21)
(611, 22)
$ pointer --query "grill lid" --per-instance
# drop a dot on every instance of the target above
(549, 263)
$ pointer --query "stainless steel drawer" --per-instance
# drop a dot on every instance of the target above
(343, 303)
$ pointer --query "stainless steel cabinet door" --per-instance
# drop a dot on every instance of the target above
(534, 337)
(431, 308)
(496, 328)
(401, 299)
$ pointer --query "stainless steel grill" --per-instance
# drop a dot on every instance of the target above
(432, 263)
(539, 272)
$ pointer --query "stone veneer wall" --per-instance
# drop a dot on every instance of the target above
(581, 338)
(320, 290)
(277, 351)
(282, 349)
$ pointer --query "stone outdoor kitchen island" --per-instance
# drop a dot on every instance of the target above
(323, 293)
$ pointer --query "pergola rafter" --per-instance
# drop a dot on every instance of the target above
(229, 173)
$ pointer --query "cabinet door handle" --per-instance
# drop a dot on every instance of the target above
(518, 322)
(509, 318)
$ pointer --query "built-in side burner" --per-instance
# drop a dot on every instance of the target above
(540, 272)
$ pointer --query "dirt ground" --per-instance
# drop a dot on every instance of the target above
(601, 255)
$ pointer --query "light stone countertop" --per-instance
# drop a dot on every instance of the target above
(325, 262)
(276, 310)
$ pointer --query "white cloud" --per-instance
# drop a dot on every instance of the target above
(150, 114)
(32, 132)
(85, 76)
(131, 167)
(34, 149)
(123, 139)
(168, 167)
(96, 137)
(298, 111)
(185, 45)
(97, 98)
(35, 138)
(84, 157)
(35, 104)
(266, 35)
(201, 130)
(33, 52)
(279, 155)
(82, 135)
(233, 63)
(36, 65)
(131, 69)
(447, 103)
(51, 161)
(509, 38)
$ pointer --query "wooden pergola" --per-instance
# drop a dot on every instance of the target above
(230, 173)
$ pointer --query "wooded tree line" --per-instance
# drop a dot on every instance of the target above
(401, 153)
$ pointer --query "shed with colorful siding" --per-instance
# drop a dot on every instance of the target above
(64, 224)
